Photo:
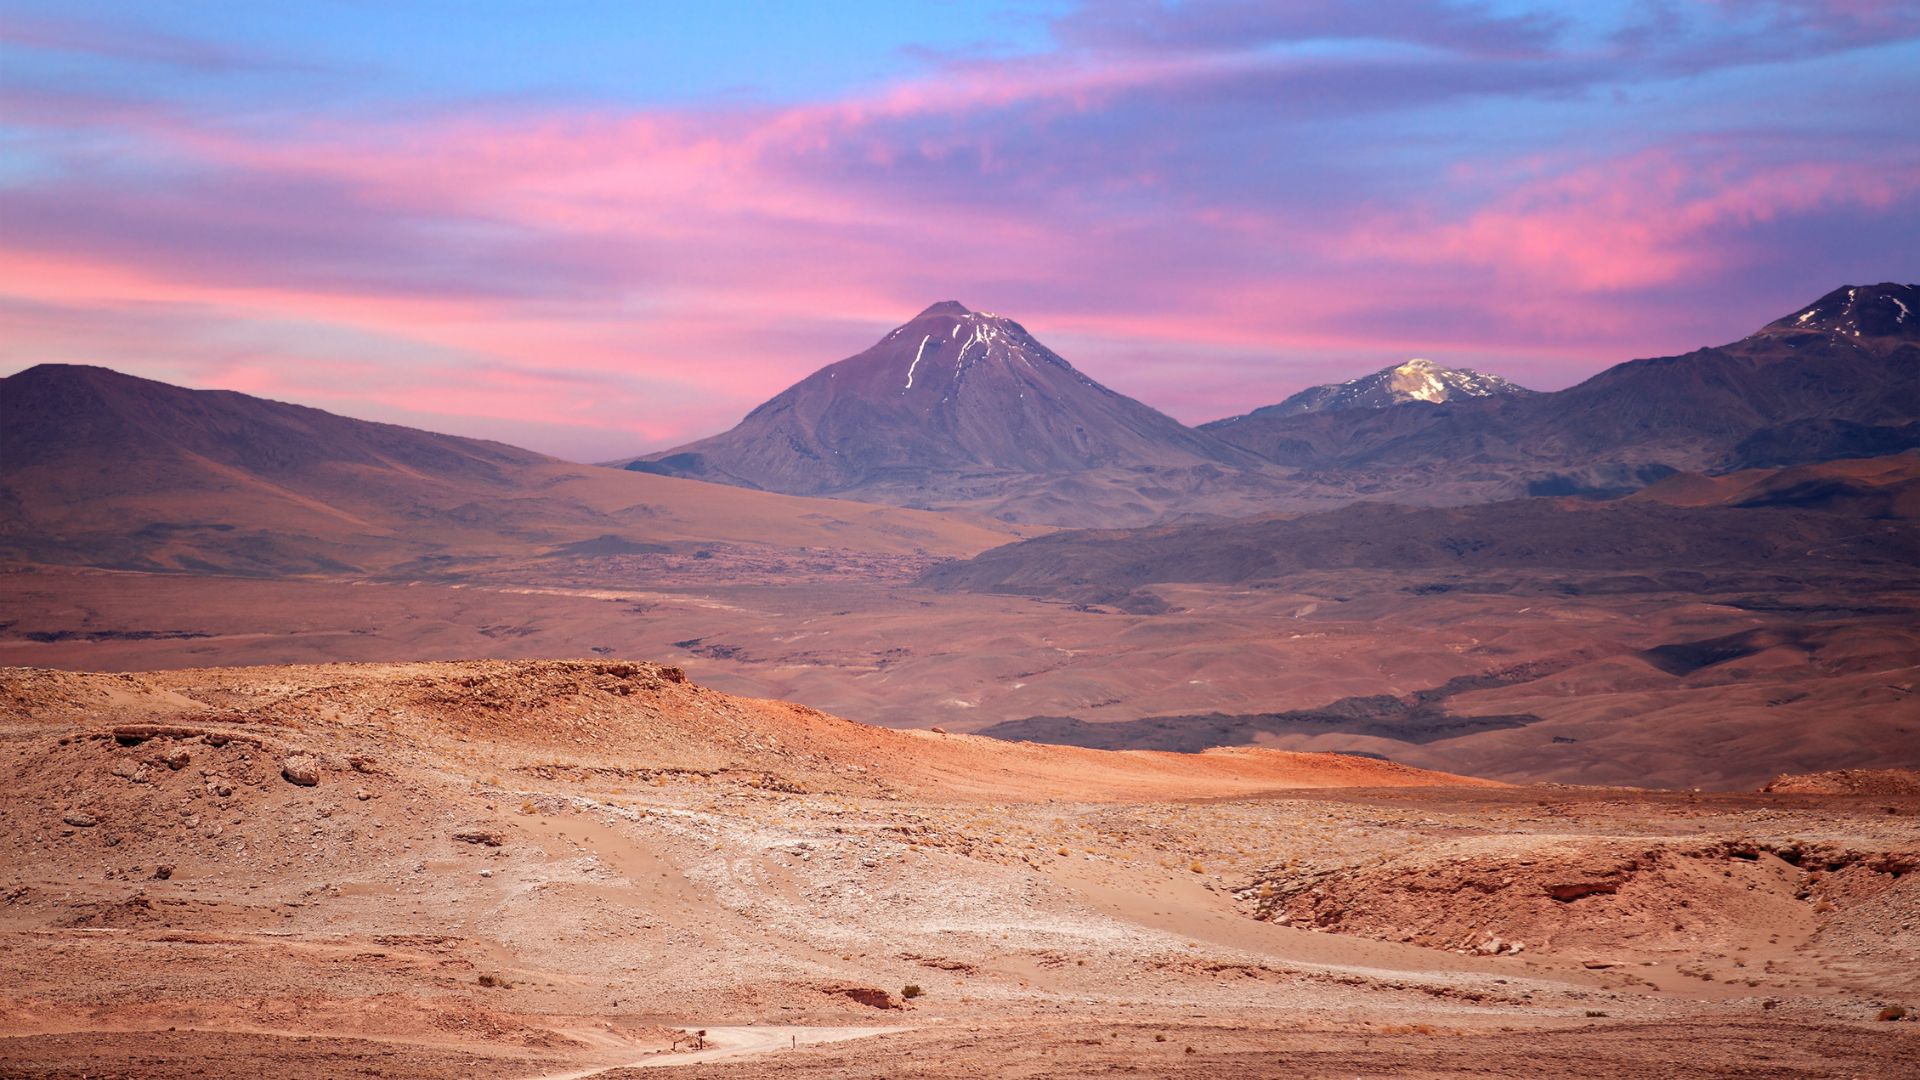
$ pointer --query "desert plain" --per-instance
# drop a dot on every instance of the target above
(547, 869)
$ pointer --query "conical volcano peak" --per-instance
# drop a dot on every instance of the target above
(944, 344)
(945, 307)
(951, 393)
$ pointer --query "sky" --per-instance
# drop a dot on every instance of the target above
(598, 229)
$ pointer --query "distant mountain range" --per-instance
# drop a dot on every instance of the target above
(105, 469)
(967, 409)
(955, 410)
(1840, 378)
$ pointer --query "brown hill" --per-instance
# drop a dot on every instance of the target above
(109, 470)
(1887, 487)
(640, 721)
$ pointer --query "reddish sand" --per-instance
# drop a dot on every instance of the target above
(549, 869)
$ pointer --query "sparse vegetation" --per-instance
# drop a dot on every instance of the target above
(1892, 1012)
(910, 991)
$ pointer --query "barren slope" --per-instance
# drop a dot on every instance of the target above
(105, 469)
(552, 869)
(646, 720)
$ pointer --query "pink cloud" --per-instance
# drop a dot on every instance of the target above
(1628, 223)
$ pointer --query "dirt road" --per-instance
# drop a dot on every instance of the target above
(734, 1042)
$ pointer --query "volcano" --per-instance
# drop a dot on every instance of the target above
(952, 395)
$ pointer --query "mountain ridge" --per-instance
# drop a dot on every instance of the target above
(1839, 378)
(930, 416)
(112, 470)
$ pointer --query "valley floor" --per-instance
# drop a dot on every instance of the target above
(1534, 676)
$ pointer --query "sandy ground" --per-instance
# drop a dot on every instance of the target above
(552, 869)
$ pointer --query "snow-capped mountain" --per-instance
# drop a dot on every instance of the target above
(953, 394)
(1839, 377)
(1415, 380)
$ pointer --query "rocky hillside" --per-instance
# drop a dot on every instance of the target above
(1838, 379)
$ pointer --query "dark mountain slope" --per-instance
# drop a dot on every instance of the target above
(100, 468)
(1840, 378)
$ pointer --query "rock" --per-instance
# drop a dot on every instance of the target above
(163, 871)
(80, 819)
(362, 794)
(301, 769)
(176, 758)
(486, 873)
(131, 770)
(485, 837)
(866, 995)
